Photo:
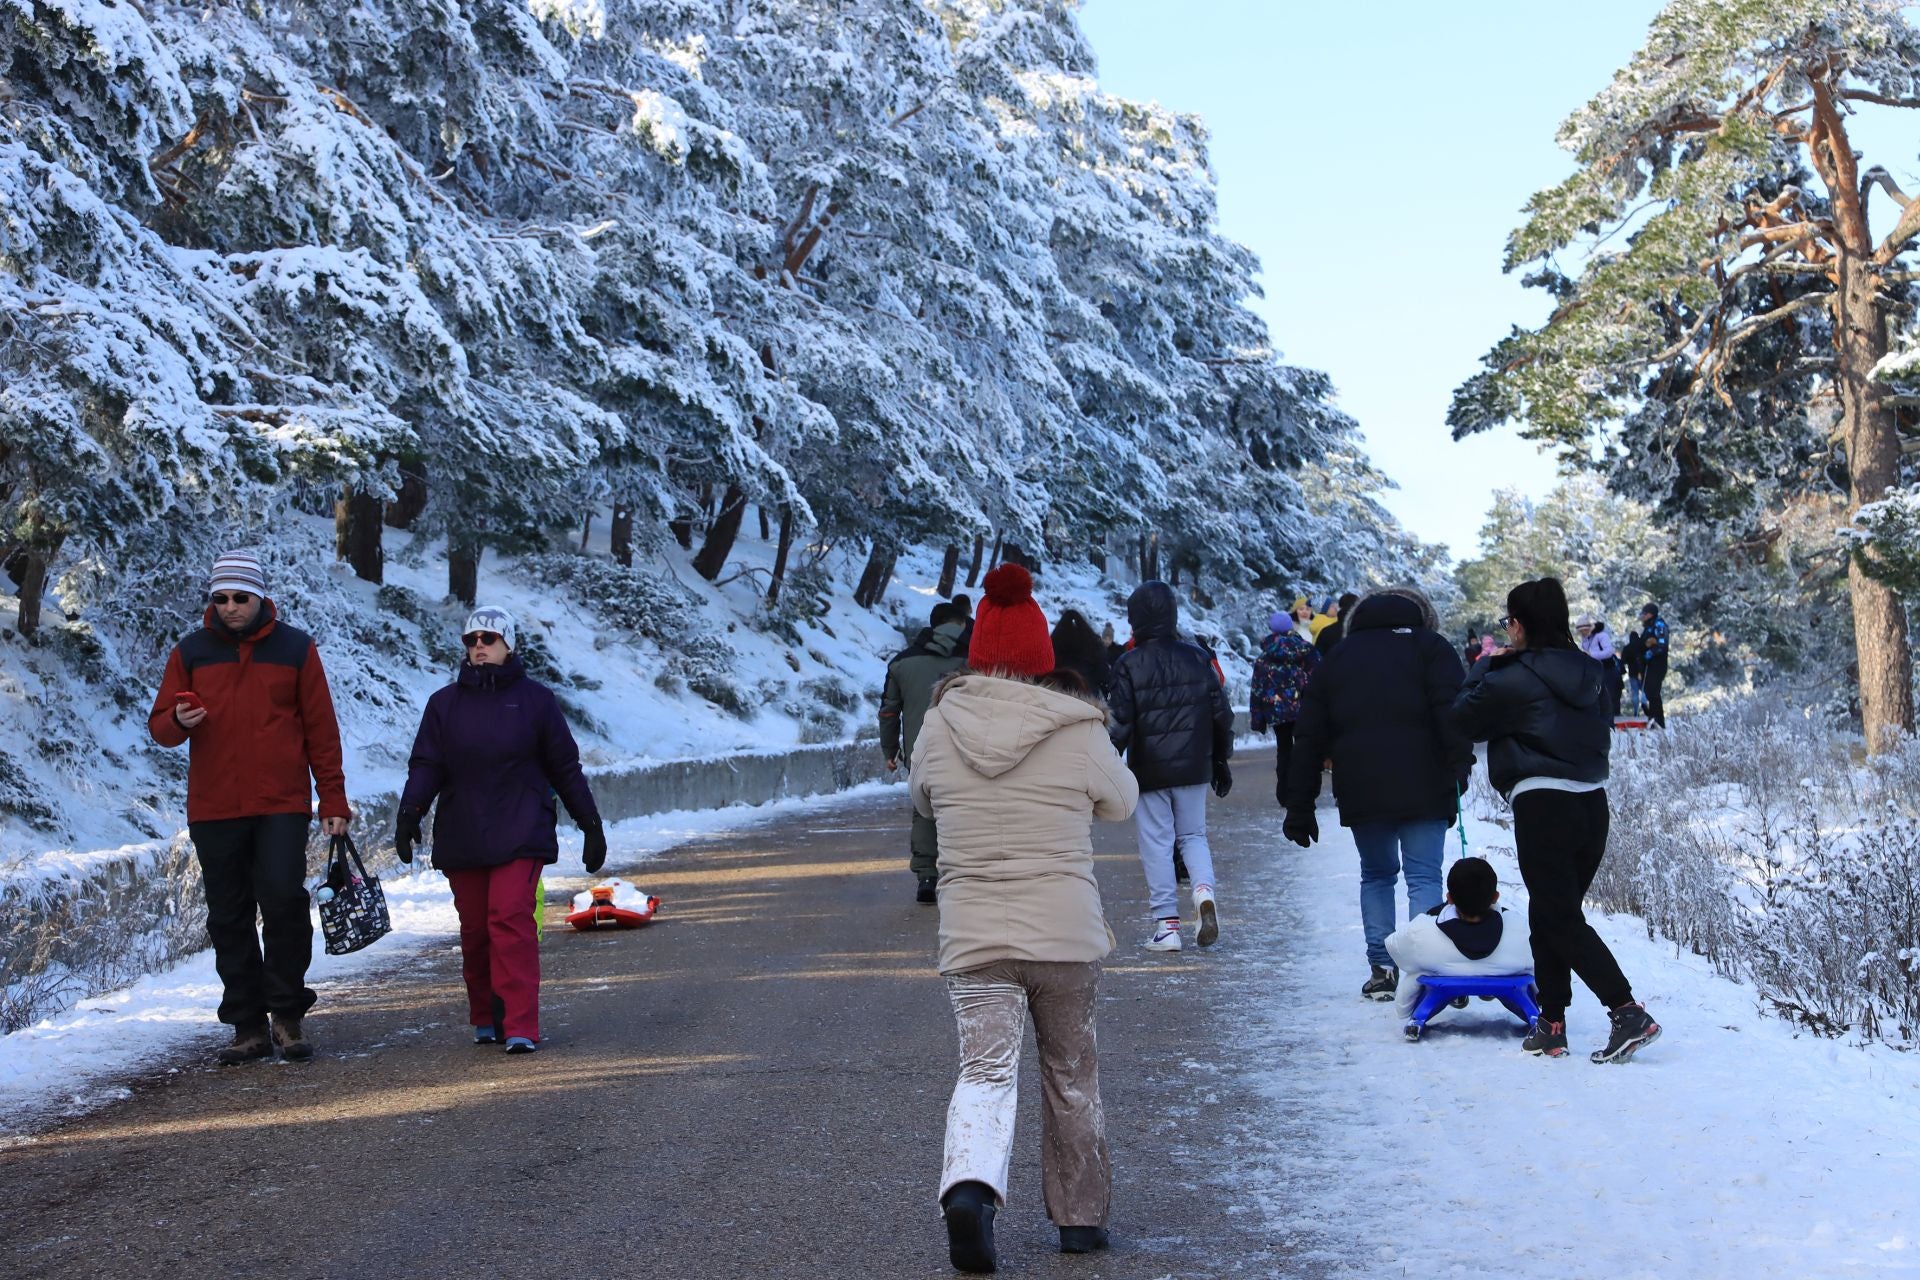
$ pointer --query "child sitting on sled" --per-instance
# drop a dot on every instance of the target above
(1467, 934)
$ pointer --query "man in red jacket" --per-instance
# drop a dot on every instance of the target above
(249, 693)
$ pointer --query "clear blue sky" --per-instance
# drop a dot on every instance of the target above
(1375, 157)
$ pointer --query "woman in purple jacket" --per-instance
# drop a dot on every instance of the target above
(494, 747)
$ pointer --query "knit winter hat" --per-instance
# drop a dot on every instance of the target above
(237, 571)
(1280, 623)
(1009, 631)
(1299, 603)
(492, 618)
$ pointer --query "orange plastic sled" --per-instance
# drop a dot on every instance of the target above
(601, 913)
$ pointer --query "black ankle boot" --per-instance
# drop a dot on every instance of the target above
(1082, 1239)
(969, 1209)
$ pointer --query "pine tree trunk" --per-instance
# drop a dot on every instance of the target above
(364, 525)
(340, 523)
(1880, 632)
(865, 592)
(979, 550)
(682, 530)
(949, 570)
(999, 548)
(1881, 645)
(33, 589)
(1149, 557)
(586, 531)
(766, 530)
(780, 555)
(721, 534)
(885, 579)
(412, 499)
(463, 568)
(621, 534)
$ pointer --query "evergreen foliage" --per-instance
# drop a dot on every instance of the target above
(1722, 298)
(897, 268)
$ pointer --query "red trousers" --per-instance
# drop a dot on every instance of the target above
(499, 944)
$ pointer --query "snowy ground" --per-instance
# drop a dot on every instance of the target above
(1732, 1147)
(66, 1065)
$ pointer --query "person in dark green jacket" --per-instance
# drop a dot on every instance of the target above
(911, 677)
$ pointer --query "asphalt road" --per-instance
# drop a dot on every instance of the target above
(753, 1086)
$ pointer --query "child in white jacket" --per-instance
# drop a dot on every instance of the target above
(1468, 934)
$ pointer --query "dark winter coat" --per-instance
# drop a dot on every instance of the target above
(1169, 712)
(1636, 655)
(1330, 635)
(270, 736)
(1543, 713)
(908, 691)
(1377, 708)
(494, 747)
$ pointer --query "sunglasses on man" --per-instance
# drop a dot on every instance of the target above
(231, 597)
(474, 639)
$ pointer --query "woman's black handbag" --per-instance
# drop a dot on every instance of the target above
(353, 907)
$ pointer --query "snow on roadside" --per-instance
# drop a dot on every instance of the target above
(1733, 1146)
(76, 1061)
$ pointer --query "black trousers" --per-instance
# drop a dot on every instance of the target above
(1282, 759)
(257, 868)
(1656, 672)
(1560, 837)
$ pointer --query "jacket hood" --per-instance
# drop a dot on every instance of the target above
(1571, 675)
(1384, 612)
(1153, 612)
(1281, 643)
(494, 675)
(942, 640)
(996, 722)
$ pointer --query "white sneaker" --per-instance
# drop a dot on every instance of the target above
(1166, 936)
(1208, 913)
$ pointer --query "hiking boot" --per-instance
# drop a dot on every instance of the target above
(928, 890)
(1380, 984)
(520, 1044)
(488, 1034)
(969, 1208)
(1209, 915)
(288, 1039)
(1633, 1029)
(1082, 1239)
(1548, 1038)
(250, 1041)
(1166, 936)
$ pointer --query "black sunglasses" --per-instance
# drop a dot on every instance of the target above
(1507, 621)
(473, 638)
(234, 597)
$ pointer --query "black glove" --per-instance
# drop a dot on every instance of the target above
(1301, 827)
(406, 832)
(1222, 779)
(593, 851)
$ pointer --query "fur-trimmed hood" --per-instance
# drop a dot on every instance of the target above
(997, 720)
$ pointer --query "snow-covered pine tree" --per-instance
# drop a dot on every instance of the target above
(1697, 232)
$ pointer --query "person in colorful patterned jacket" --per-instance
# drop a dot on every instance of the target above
(248, 695)
(494, 748)
(1280, 676)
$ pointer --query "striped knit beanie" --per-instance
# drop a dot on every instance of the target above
(237, 571)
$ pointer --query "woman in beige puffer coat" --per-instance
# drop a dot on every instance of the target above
(1014, 763)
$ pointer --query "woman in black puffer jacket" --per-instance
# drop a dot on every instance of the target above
(1540, 705)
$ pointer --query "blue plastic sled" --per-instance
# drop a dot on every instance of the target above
(1514, 990)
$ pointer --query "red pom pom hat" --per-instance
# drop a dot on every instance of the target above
(1009, 632)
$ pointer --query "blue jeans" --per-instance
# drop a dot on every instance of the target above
(1384, 848)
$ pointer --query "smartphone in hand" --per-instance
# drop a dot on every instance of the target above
(187, 701)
